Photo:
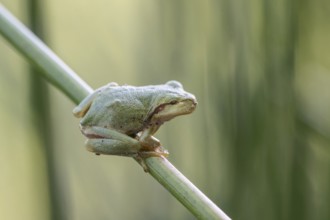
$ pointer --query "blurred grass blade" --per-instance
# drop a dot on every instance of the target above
(40, 119)
(59, 74)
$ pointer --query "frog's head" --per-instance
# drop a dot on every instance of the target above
(171, 101)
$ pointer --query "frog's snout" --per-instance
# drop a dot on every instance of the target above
(193, 105)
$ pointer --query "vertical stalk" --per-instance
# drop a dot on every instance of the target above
(40, 114)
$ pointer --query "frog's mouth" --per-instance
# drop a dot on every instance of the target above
(167, 111)
(91, 135)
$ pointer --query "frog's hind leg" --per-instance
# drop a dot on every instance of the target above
(108, 141)
(111, 147)
(80, 110)
(100, 132)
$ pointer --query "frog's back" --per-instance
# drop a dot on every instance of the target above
(123, 108)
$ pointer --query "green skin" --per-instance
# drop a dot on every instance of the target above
(120, 120)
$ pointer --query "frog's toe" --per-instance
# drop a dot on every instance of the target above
(156, 152)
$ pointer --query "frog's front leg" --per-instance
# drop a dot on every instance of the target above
(147, 139)
(80, 110)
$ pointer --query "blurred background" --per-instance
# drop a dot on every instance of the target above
(257, 145)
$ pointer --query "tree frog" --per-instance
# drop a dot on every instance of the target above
(121, 120)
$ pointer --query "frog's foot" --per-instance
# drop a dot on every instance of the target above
(146, 152)
(150, 144)
(143, 164)
(142, 155)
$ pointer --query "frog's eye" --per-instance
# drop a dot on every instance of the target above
(174, 84)
(173, 102)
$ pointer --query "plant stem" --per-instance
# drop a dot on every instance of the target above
(53, 68)
(60, 75)
(186, 192)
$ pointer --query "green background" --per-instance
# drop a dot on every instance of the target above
(257, 145)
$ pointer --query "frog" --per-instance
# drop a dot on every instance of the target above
(122, 120)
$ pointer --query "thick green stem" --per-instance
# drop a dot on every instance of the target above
(180, 187)
(53, 68)
(59, 74)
